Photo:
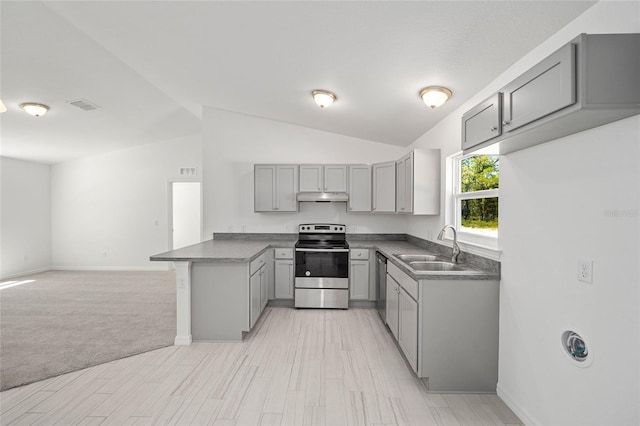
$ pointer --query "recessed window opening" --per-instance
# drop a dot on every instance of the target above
(474, 196)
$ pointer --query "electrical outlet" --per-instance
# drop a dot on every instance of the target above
(585, 271)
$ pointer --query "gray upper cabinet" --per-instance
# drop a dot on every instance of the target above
(275, 188)
(335, 178)
(591, 81)
(359, 188)
(311, 178)
(323, 178)
(483, 122)
(543, 90)
(384, 187)
(418, 182)
(404, 184)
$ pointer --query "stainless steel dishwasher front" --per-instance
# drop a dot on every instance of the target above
(381, 285)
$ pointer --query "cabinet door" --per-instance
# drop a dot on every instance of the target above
(400, 186)
(384, 187)
(482, 123)
(287, 188)
(284, 279)
(392, 305)
(404, 184)
(360, 188)
(544, 89)
(408, 183)
(359, 280)
(255, 288)
(408, 327)
(311, 178)
(264, 287)
(264, 188)
(335, 178)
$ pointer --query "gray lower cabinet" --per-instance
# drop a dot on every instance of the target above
(359, 268)
(393, 289)
(227, 298)
(255, 295)
(359, 280)
(284, 279)
(402, 319)
(283, 273)
(408, 327)
(446, 329)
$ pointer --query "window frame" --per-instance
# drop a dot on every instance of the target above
(484, 245)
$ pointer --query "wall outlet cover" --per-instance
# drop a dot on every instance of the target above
(585, 271)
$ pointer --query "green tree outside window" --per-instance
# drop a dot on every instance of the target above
(479, 173)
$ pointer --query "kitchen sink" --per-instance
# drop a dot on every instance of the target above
(435, 266)
(408, 258)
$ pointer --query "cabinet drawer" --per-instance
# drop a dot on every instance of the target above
(256, 264)
(283, 253)
(360, 254)
(406, 282)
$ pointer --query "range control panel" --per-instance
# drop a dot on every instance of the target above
(321, 227)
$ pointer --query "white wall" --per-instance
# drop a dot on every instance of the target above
(25, 217)
(233, 143)
(110, 211)
(554, 200)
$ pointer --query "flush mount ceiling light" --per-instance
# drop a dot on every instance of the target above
(34, 109)
(323, 98)
(434, 96)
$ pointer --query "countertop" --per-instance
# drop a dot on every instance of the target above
(221, 251)
(232, 250)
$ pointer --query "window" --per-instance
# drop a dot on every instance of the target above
(474, 197)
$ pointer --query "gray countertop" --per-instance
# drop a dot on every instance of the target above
(233, 250)
(221, 251)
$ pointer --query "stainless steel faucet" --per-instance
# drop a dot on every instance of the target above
(456, 247)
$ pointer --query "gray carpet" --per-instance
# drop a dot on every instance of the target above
(69, 320)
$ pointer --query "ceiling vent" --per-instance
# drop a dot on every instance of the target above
(84, 105)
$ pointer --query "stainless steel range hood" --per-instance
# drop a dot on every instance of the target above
(323, 197)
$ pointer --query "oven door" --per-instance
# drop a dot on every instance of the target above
(322, 268)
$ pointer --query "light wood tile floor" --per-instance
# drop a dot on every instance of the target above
(298, 367)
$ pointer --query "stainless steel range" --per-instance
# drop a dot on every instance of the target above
(322, 267)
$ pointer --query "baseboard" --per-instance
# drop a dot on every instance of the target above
(182, 340)
(110, 268)
(518, 409)
(362, 304)
(21, 274)
(286, 303)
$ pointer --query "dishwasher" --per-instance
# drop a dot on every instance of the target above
(381, 285)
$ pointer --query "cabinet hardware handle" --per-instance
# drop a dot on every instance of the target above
(506, 123)
(494, 128)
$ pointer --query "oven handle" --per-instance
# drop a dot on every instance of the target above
(324, 250)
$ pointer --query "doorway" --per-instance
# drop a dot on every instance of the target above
(185, 222)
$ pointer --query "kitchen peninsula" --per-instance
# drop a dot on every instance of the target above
(213, 278)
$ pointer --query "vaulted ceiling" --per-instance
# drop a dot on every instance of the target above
(152, 65)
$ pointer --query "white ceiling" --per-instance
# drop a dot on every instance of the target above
(152, 66)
